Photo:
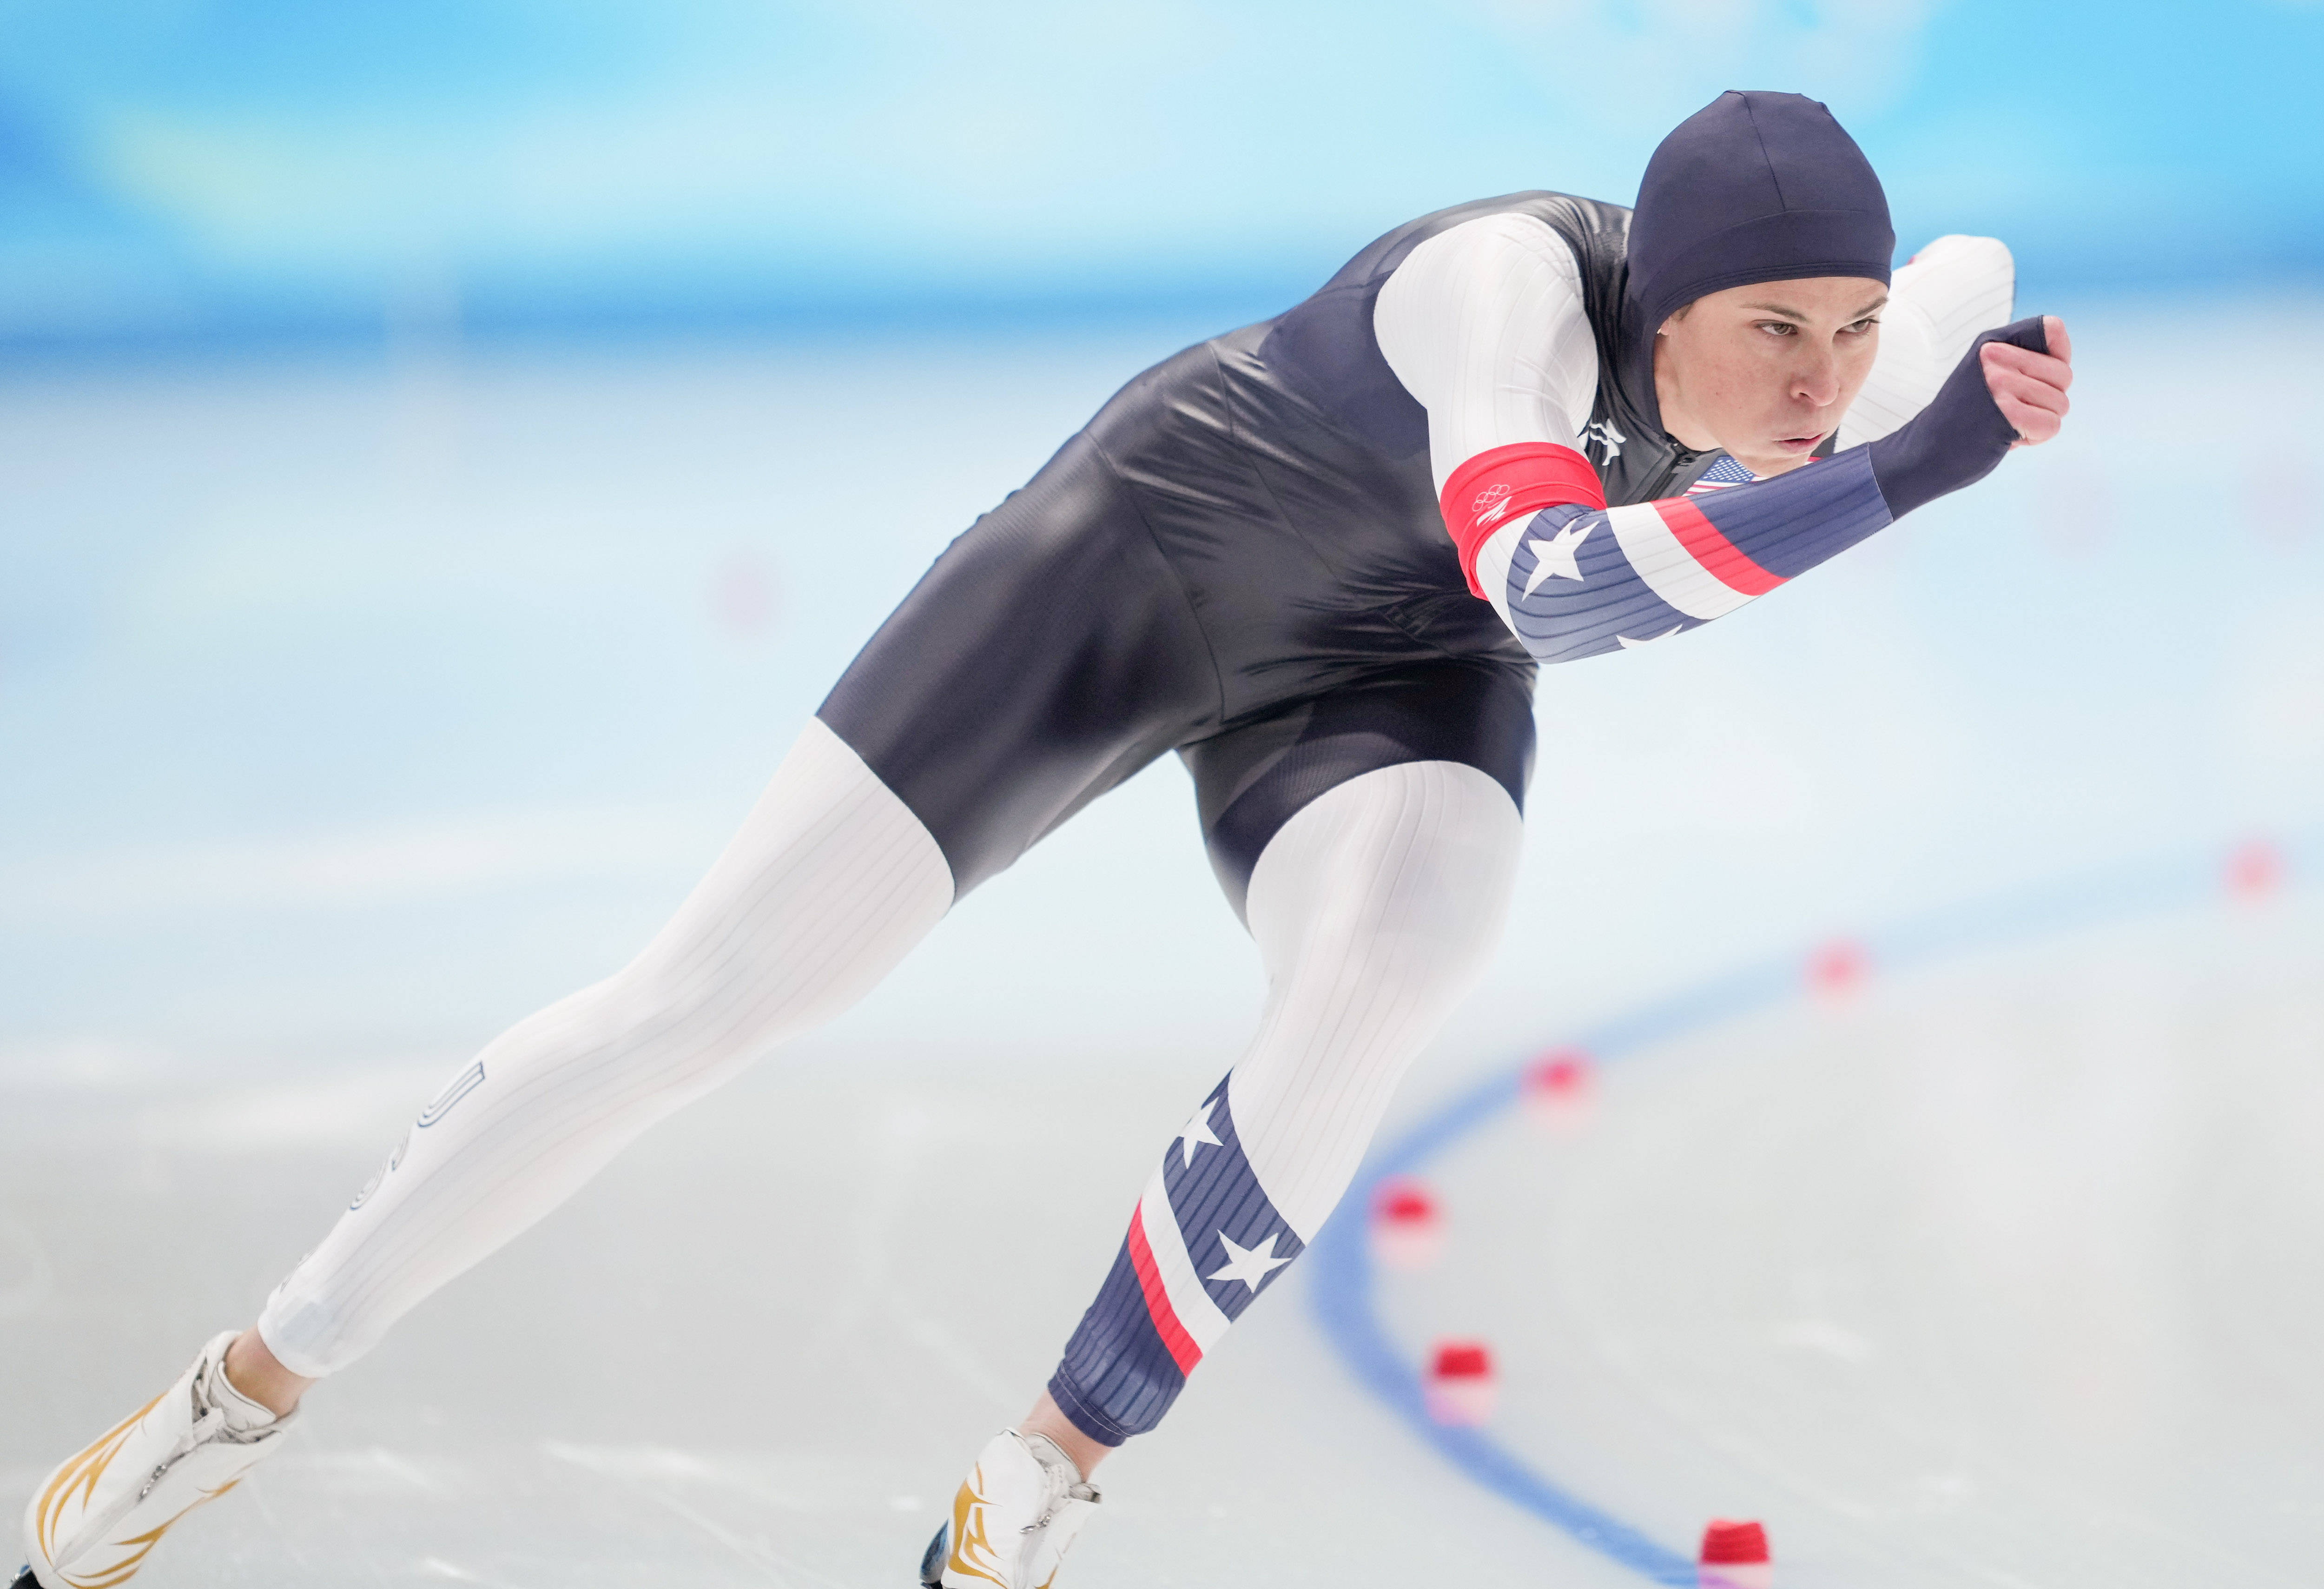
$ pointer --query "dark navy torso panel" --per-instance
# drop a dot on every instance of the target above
(1310, 558)
(1324, 349)
(1247, 529)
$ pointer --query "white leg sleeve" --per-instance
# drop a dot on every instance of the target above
(1375, 909)
(831, 881)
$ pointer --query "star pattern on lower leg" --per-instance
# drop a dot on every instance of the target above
(1196, 1133)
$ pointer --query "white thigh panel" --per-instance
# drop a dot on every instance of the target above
(1374, 908)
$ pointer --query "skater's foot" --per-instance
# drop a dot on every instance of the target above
(93, 1520)
(1014, 1519)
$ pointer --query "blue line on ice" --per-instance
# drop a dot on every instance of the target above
(1339, 1265)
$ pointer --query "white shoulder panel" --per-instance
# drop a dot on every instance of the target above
(1954, 287)
(1484, 325)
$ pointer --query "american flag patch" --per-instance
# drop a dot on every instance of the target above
(1721, 475)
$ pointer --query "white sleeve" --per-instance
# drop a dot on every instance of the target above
(1484, 326)
(1953, 289)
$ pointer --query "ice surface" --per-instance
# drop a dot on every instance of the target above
(759, 1350)
(1998, 1271)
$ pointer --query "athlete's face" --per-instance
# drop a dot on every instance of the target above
(1764, 371)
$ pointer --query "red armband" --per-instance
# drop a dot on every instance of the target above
(1503, 485)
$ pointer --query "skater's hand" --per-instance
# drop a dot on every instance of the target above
(2008, 389)
(2030, 388)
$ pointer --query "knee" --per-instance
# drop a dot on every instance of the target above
(1407, 869)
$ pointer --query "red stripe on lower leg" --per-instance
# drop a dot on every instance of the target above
(1182, 1347)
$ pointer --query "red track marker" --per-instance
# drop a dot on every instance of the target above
(1461, 1388)
(2255, 870)
(1735, 1556)
(1560, 1088)
(1838, 968)
(1408, 1226)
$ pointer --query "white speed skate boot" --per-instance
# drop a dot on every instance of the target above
(1014, 1519)
(93, 1521)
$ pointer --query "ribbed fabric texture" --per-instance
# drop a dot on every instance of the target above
(830, 881)
(1375, 908)
(1577, 583)
(1822, 511)
(1484, 325)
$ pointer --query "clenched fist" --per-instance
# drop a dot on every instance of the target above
(2030, 388)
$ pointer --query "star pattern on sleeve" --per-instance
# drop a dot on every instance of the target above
(1554, 557)
(1251, 1265)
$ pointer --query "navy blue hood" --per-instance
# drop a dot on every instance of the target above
(1754, 187)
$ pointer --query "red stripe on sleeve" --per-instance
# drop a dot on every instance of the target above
(1503, 485)
(1720, 558)
(1182, 1347)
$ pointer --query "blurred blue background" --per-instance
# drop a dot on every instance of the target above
(177, 167)
(445, 449)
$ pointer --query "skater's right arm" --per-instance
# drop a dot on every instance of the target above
(1484, 325)
(1576, 581)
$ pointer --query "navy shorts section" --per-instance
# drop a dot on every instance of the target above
(1048, 655)
(1164, 583)
(1253, 778)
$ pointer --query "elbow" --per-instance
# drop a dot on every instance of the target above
(1958, 251)
(1554, 637)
